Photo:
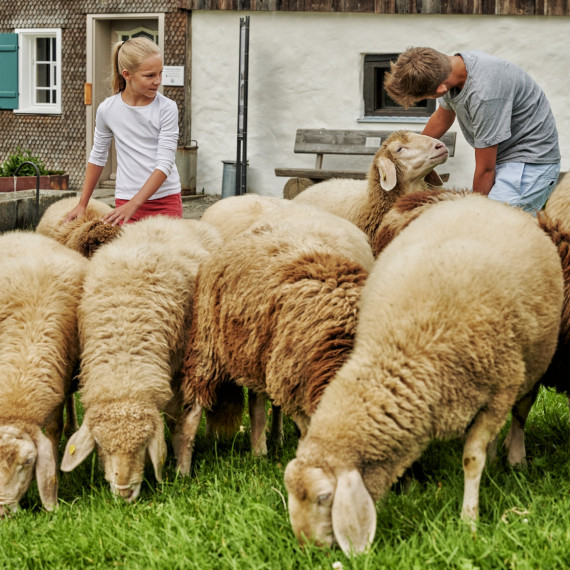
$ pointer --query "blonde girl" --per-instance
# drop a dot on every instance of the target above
(144, 125)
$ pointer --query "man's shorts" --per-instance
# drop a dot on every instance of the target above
(524, 185)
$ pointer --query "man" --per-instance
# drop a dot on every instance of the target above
(503, 114)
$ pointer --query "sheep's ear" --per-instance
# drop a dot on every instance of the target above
(387, 173)
(353, 513)
(157, 450)
(433, 179)
(78, 447)
(46, 471)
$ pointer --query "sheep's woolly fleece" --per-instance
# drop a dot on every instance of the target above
(86, 233)
(276, 310)
(40, 287)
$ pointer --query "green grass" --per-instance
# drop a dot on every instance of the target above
(231, 513)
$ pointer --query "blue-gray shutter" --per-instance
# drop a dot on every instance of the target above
(9, 67)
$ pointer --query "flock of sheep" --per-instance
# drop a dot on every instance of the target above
(378, 314)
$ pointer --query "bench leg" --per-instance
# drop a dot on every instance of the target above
(295, 186)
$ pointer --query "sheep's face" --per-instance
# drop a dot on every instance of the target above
(123, 444)
(310, 498)
(408, 157)
(327, 507)
(18, 456)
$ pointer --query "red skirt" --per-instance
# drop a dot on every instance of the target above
(170, 205)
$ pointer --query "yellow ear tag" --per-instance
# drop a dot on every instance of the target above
(383, 177)
(71, 449)
(53, 480)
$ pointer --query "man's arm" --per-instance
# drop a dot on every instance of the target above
(439, 123)
(485, 164)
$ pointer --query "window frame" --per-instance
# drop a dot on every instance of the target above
(373, 108)
(27, 66)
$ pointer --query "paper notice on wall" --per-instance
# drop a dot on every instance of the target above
(173, 75)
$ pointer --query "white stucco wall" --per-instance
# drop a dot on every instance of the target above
(305, 71)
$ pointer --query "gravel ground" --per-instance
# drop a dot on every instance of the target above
(193, 206)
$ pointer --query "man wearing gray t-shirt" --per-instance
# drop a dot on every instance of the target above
(503, 114)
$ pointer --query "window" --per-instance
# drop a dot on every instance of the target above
(137, 33)
(377, 103)
(39, 66)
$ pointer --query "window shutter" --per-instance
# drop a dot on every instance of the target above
(9, 67)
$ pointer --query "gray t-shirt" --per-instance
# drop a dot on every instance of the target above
(500, 104)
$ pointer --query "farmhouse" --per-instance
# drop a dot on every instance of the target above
(312, 65)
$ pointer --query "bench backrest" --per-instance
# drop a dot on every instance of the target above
(328, 141)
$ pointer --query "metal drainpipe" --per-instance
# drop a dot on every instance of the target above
(37, 186)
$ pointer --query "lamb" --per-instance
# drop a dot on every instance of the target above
(458, 321)
(40, 287)
(404, 163)
(134, 319)
(275, 311)
(84, 234)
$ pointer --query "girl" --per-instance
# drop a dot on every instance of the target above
(144, 124)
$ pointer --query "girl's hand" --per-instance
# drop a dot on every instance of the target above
(120, 215)
(77, 212)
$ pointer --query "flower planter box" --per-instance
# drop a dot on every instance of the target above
(50, 182)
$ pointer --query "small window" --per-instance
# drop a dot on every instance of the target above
(377, 103)
(39, 66)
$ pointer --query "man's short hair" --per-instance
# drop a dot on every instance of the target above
(416, 74)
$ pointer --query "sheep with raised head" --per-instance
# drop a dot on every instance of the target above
(134, 319)
(275, 311)
(458, 321)
(84, 234)
(404, 163)
(40, 287)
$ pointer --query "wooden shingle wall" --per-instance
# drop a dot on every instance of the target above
(476, 7)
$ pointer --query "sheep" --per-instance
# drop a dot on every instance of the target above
(458, 321)
(404, 163)
(236, 214)
(40, 287)
(133, 325)
(558, 205)
(84, 234)
(275, 311)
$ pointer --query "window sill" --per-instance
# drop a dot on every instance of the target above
(36, 111)
(422, 120)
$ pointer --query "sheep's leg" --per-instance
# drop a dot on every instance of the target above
(515, 439)
(478, 439)
(258, 421)
(276, 434)
(184, 436)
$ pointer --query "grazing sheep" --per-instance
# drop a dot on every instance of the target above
(458, 321)
(133, 323)
(404, 163)
(84, 234)
(275, 311)
(40, 288)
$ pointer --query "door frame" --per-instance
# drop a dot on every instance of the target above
(90, 79)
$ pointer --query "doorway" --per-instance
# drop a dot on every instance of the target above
(103, 31)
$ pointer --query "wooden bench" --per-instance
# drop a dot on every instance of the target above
(339, 142)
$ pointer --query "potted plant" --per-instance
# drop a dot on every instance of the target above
(26, 178)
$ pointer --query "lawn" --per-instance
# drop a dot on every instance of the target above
(231, 513)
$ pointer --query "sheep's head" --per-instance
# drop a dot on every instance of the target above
(327, 506)
(20, 454)
(406, 158)
(125, 435)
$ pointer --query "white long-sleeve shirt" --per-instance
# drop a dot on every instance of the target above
(146, 138)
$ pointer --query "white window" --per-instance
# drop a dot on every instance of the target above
(39, 65)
